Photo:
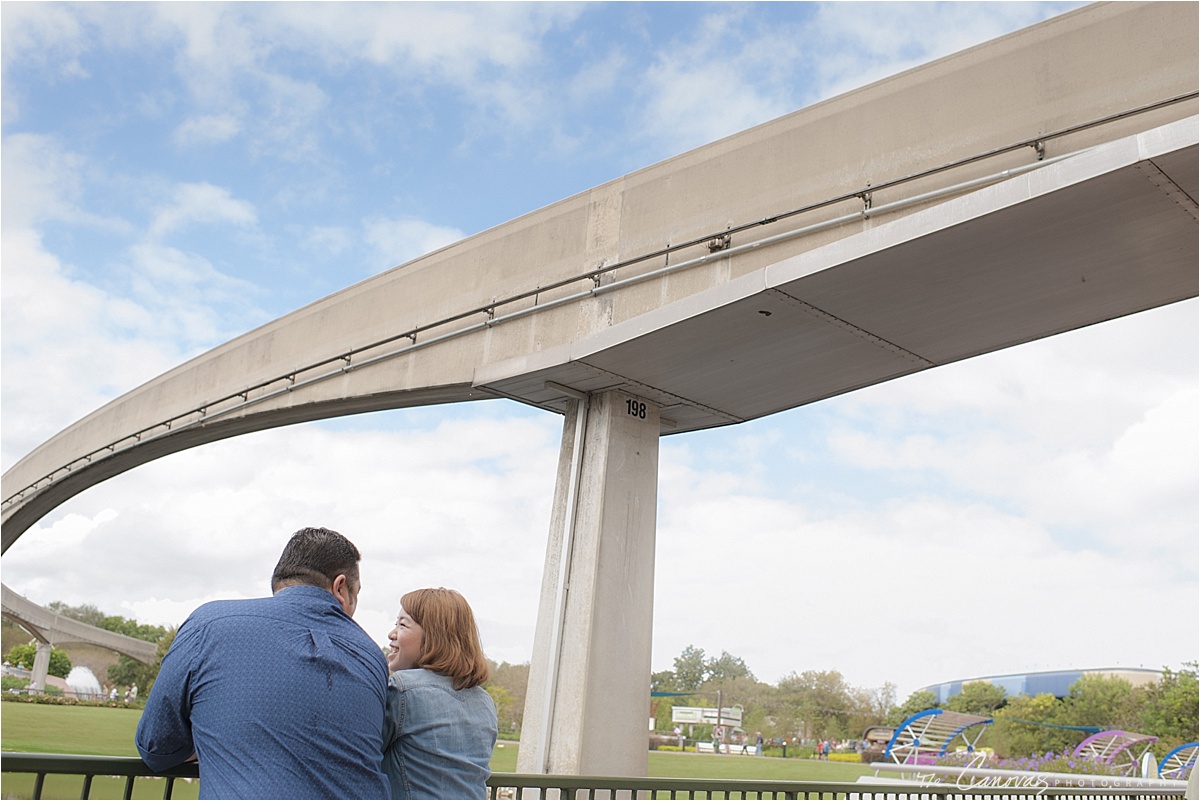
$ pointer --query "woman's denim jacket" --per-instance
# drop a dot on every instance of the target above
(437, 741)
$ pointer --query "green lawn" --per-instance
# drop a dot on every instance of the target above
(43, 728)
(710, 766)
(50, 729)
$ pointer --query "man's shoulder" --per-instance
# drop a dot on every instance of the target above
(219, 610)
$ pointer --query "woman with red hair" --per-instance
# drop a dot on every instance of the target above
(441, 724)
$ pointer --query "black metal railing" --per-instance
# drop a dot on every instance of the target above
(89, 768)
(133, 774)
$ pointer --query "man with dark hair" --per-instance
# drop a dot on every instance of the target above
(279, 697)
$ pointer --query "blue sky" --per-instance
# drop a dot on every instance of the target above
(177, 174)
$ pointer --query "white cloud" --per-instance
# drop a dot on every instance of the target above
(596, 79)
(730, 70)
(415, 500)
(201, 203)
(43, 181)
(328, 239)
(41, 32)
(852, 44)
(167, 304)
(1092, 432)
(207, 129)
(234, 60)
(453, 42)
(89, 332)
(397, 241)
(724, 77)
(787, 590)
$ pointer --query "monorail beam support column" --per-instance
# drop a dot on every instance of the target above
(41, 666)
(588, 699)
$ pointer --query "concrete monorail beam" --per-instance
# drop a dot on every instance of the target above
(54, 629)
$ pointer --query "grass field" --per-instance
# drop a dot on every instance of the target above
(43, 728)
(50, 729)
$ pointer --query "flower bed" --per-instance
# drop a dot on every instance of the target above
(1050, 762)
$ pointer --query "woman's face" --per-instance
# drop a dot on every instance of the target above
(405, 640)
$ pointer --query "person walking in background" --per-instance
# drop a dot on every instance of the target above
(441, 723)
(279, 697)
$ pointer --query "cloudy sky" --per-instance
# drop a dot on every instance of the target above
(175, 175)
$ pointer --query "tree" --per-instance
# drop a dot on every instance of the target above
(131, 628)
(1169, 709)
(977, 698)
(129, 671)
(504, 703)
(726, 667)
(822, 700)
(60, 663)
(1098, 700)
(91, 615)
(919, 701)
(1017, 733)
(690, 669)
(882, 701)
(85, 613)
(513, 680)
(663, 682)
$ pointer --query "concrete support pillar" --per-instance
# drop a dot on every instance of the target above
(41, 666)
(588, 701)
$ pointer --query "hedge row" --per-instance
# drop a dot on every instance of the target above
(63, 701)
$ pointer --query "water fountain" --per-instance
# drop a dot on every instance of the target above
(83, 683)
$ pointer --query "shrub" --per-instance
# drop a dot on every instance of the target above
(60, 700)
(60, 663)
(870, 755)
(19, 683)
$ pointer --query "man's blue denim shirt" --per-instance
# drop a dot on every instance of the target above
(279, 697)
